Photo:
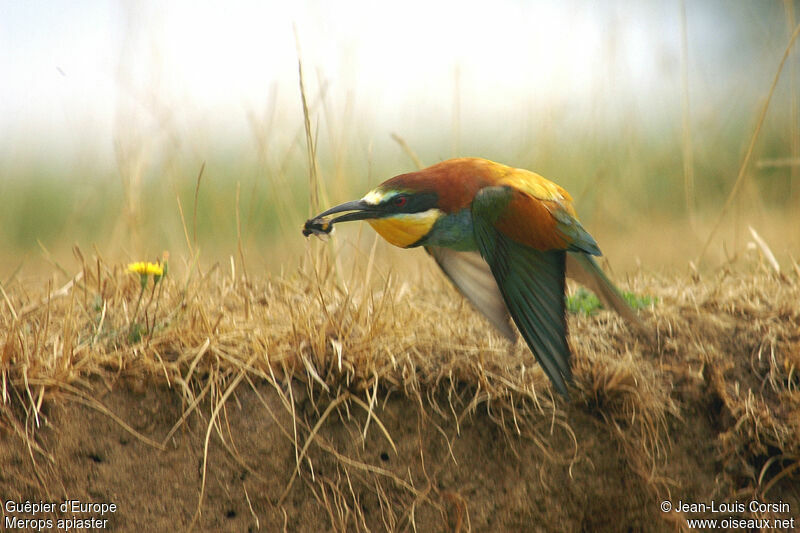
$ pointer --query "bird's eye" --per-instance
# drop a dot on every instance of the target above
(400, 201)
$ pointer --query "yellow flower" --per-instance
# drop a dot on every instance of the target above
(146, 269)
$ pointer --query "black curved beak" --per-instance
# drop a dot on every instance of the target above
(355, 210)
(359, 210)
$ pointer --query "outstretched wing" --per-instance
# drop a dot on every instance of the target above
(472, 277)
(531, 279)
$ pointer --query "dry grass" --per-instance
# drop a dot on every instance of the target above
(335, 350)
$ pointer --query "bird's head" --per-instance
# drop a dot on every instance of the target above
(402, 212)
(404, 209)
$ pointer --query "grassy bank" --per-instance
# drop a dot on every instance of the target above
(384, 400)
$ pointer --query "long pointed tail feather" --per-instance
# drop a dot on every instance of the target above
(585, 270)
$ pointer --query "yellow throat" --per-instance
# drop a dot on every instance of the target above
(405, 229)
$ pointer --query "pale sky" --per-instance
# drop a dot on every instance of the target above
(76, 72)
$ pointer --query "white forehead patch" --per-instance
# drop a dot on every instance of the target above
(374, 197)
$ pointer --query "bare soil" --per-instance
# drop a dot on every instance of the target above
(481, 478)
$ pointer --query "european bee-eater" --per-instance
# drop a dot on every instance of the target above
(506, 238)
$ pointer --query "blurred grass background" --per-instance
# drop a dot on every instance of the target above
(650, 168)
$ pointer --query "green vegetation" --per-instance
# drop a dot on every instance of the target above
(583, 301)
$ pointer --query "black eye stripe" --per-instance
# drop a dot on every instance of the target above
(409, 202)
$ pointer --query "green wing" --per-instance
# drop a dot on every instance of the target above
(531, 283)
